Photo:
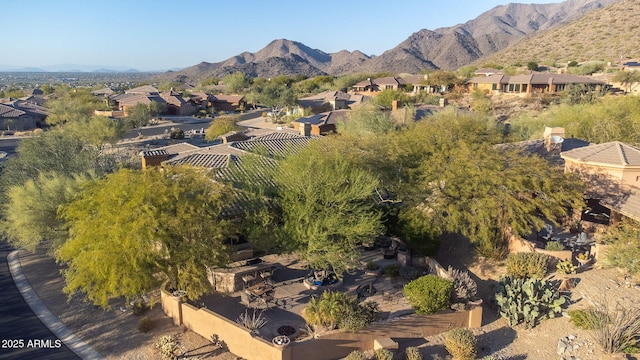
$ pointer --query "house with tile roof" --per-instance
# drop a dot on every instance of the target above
(176, 104)
(612, 171)
(328, 101)
(531, 83)
(126, 102)
(379, 84)
(19, 115)
(320, 124)
(233, 103)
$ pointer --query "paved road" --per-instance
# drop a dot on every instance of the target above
(18, 322)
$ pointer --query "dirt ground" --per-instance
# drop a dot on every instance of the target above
(114, 333)
(496, 337)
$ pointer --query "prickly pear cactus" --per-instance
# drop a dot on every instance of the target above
(527, 300)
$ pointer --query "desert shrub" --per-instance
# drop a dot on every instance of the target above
(566, 267)
(428, 294)
(252, 322)
(623, 250)
(335, 309)
(359, 316)
(527, 300)
(145, 324)
(412, 353)
(139, 308)
(614, 329)
(461, 344)
(176, 133)
(554, 246)
(383, 354)
(464, 287)
(356, 355)
(168, 346)
(587, 319)
(391, 271)
(526, 265)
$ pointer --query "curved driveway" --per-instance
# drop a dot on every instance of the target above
(18, 322)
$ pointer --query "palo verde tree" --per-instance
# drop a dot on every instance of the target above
(29, 217)
(70, 105)
(220, 126)
(327, 206)
(133, 229)
(468, 185)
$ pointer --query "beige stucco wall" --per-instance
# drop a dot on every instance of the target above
(171, 306)
(518, 244)
(332, 345)
(238, 340)
(626, 176)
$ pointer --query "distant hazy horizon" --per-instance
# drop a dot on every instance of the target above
(159, 35)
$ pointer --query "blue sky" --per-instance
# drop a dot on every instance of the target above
(163, 34)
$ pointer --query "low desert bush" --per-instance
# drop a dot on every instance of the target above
(391, 271)
(428, 294)
(615, 329)
(526, 265)
(139, 308)
(145, 324)
(383, 354)
(554, 246)
(356, 355)
(465, 288)
(587, 319)
(412, 353)
(461, 344)
(168, 346)
(566, 267)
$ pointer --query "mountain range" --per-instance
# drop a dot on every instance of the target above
(445, 48)
(69, 68)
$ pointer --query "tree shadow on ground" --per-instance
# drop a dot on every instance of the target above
(495, 340)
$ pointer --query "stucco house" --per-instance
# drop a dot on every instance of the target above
(320, 124)
(532, 83)
(222, 102)
(19, 115)
(612, 172)
(379, 84)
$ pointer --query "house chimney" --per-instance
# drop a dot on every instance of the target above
(305, 129)
(553, 136)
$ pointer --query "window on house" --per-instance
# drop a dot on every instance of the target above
(511, 87)
(475, 86)
(560, 87)
(524, 87)
(494, 86)
(517, 88)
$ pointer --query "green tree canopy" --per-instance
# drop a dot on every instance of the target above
(139, 116)
(133, 229)
(70, 105)
(29, 218)
(385, 97)
(53, 151)
(627, 78)
(220, 126)
(235, 83)
(327, 205)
